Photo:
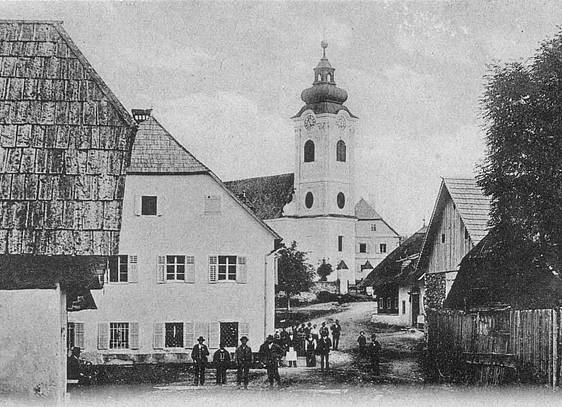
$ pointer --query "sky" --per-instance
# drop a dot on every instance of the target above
(225, 77)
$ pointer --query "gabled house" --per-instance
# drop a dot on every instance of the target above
(397, 284)
(193, 261)
(65, 141)
(458, 223)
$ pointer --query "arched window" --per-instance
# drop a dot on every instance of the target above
(309, 151)
(340, 151)
(341, 200)
(309, 200)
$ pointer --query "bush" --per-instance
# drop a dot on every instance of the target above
(326, 296)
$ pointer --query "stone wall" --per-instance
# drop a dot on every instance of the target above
(435, 290)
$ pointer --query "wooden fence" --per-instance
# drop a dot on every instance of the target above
(496, 346)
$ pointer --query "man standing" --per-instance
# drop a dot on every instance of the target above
(336, 332)
(362, 341)
(374, 354)
(324, 329)
(324, 345)
(199, 355)
(270, 353)
(221, 359)
(243, 358)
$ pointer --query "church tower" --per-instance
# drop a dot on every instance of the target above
(325, 132)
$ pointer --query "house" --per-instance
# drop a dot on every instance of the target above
(193, 261)
(65, 142)
(397, 284)
(458, 223)
(375, 239)
(315, 205)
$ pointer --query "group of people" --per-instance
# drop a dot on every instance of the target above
(370, 350)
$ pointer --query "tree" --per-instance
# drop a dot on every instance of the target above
(294, 273)
(324, 270)
(522, 172)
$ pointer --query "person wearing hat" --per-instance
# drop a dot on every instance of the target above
(199, 355)
(374, 350)
(323, 349)
(336, 332)
(244, 360)
(73, 364)
(221, 359)
(270, 353)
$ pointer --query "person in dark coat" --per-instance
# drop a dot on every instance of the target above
(199, 355)
(323, 348)
(362, 341)
(324, 329)
(270, 353)
(73, 364)
(374, 351)
(336, 332)
(221, 359)
(285, 339)
(244, 360)
(311, 345)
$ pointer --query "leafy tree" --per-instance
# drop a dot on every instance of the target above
(522, 172)
(324, 270)
(294, 273)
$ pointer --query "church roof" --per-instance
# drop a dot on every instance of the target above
(266, 196)
(363, 210)
(156, 151)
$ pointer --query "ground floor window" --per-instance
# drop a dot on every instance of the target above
(174, 335)
(229, 334)
(119, 335)
(388, 301)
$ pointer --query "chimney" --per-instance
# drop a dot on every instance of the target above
(140, 115)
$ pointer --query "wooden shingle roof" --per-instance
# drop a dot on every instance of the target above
(157, 152)
(65, 141)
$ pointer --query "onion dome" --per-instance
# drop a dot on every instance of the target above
(324, 96)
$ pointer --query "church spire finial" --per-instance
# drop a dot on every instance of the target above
(324, 45)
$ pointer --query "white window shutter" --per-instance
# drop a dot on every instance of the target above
(133, 269)
(160, 205)
(214, 334)
(213, 269)
(158, 336)
(138, 205)
(241, 270)
(243, 330)
(202, 329)
(189, 334)
(103, 335)
(189, 269)
(134, 335)
(79, 334)
(106, 275)
(161, 270)
(276, 270)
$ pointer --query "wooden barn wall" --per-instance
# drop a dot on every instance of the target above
(447, 256)
(493, 347)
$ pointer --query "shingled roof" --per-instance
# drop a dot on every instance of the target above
(156, 152)
(266, 196)
(65, 141)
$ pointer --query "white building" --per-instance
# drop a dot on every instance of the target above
(193, 261)
(315, 205)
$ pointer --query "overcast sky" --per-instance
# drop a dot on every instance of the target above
(225, 78)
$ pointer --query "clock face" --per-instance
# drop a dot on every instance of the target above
(341, 122)
(309, 122)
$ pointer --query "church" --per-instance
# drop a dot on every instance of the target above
(316, 205)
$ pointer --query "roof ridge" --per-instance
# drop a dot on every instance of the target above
(260, 177)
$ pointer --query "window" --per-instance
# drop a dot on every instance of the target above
(175, 268)
(340, 243)
(119, 335)
(340, 151)
(341, 200)
(442, 237)
(212, 204)
(149, 205)
(309, 200)
(229, 334)
(174, 335)
(373, 227)
(362, 247)
(227, 268)
(119, 269)
(309, 151)
(382, 247)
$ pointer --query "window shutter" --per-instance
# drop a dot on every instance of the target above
(189, 269)
(106, 275)
(189, 334)
(201, 329)
(160, 205)
(158, 336)
(134, 335)
(275, 270)
(242, 270)
(79, 334)
(214, 334)
(103, 335)
(133, 269)
(161, 270)
(243, 330)
(213, 269)
(138, 205)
